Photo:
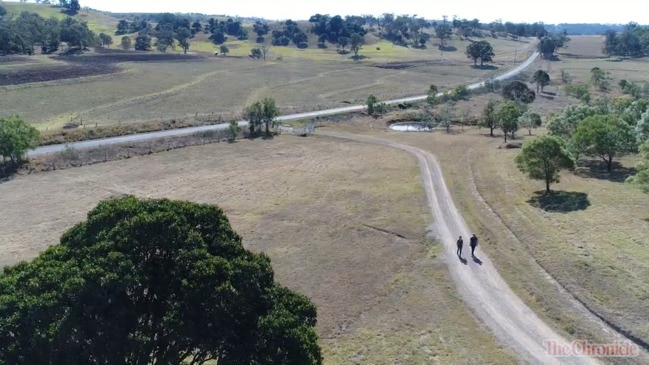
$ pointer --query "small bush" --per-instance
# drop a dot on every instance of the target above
(260, 39)
(303, 45)
(576, 90)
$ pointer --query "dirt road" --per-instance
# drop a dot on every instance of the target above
(479, 283)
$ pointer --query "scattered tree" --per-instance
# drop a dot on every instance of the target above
(261, 112)
(443, 32)
(16, 138)
(642, 128)
(343, 42)
(224, 50)
(519, 92)
(152, 281)
(507, 116)
(542, 158)
(599, 78)
(447, 114)
(541, 79)
(641, 178)
(356, 42)
(605, 136)
(432, 99)
(234, 130)
(255, 53)
(529, 120)
(183, 35)
(143, 42)
(490, 117)
(165, 38)
(105, 39)
(375, 107)
(481, 50)
(255, 116)
(126, 42)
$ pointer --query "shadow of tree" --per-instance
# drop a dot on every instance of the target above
(597, 169)
(485, 67)
(560, 201)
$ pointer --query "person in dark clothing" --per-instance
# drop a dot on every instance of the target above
(459, 246)
(473, 243)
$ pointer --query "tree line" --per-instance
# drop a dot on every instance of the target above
(23, 33)
(633, 41)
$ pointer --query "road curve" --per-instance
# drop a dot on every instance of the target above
(480, 285)
(44, 150)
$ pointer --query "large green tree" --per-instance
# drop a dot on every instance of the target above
(443, 32)
(481, 50)
(542, 158)
(183, 35)
(507, 116)
(261, 112)
(489, 117)
(518, 91)
(606, 137)
(16, 138)
(356, 42)
(541, 79)
(152, 282)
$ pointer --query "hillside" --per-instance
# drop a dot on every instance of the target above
(98, 22)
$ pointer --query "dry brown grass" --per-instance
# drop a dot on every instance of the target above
(223, 86)
(343, 223)
(596, 248)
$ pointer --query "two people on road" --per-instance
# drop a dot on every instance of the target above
(473, 242)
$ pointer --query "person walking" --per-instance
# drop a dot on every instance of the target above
(459, 246)
(473, 243)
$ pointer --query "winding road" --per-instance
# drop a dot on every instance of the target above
(479, 283)
(140, 137)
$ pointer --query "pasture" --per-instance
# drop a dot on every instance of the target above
(590, 237)
(112, 86)
(343, 223)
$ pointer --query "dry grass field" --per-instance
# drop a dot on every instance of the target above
(593, 242)
(104, 89)
(343, 222)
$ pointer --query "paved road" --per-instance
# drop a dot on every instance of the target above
(480, 285)
(191, 130)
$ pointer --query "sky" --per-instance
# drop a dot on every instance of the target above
(547, 11)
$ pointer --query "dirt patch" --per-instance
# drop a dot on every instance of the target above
(84, 65)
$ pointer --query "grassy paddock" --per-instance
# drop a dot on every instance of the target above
(590, 235)
(343, 222)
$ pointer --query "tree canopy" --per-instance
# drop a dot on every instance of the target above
(20, 34)
(641, 179)
(481, 50)
(519, 92)
(507, 115)
(261, 112)
(542, 158)
(541, 79)
(16, 138)
(152, 282)
(633, 41)
(605, 136)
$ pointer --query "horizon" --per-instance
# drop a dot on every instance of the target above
(468, 9)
